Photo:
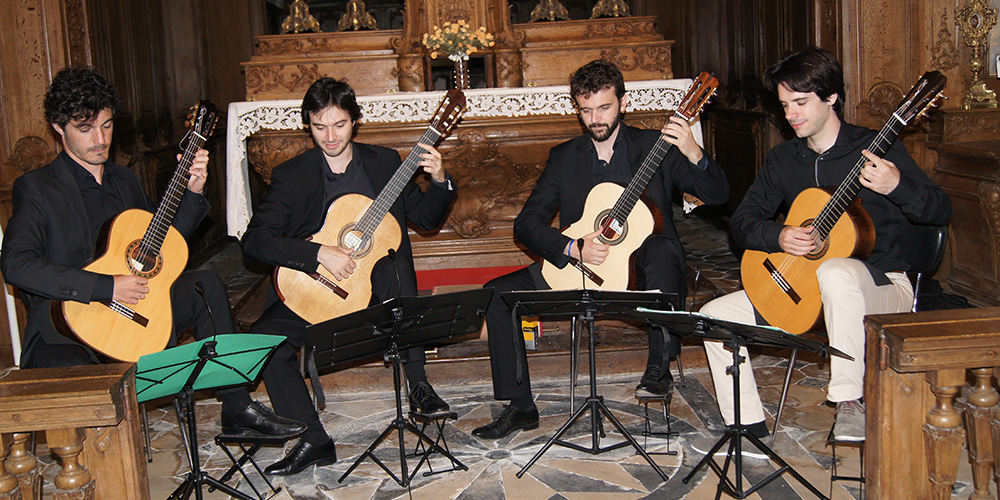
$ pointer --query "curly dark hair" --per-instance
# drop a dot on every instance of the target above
(810, 69)
(327, 92)
(79, 93)
(596, 76)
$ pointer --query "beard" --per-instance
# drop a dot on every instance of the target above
(600, 132)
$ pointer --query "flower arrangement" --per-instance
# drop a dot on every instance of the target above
(457, 40)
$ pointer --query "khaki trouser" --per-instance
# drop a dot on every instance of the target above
(848, 294)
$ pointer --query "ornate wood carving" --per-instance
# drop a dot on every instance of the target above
(973, 123)
(299, 76)
(882, 100)
(620, 28)
(264, 153)
(509, 68)
(488, 181)
(77, 36)
(651, 59)
(409, 72)
(944, 54)
(28, 154)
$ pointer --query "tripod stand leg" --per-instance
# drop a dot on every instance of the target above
(631, 440)
(548, 444)
(368, 453)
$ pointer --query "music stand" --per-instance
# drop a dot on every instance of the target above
(387, 328)
(215, 362)
(586, 305)
(735, 336)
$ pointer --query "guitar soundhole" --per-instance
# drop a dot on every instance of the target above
(613, 231)
(355, 240)
(822, 246)
(140, 262)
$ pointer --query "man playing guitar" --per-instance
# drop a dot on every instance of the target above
(809, 85)
(59, 211)
(301, 191)
(610, 151)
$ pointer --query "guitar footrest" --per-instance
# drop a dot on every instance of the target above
(248, 446)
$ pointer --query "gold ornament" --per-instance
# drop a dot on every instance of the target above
(356, 18)
(299, 19)
(975, 21)
(549, 10)
(610, 8)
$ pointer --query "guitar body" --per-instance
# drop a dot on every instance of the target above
(309, 297)
(107, 330)
(798, 309)
(614, 271)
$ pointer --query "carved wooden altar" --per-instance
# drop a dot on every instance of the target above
(968, 168)
(529, 54)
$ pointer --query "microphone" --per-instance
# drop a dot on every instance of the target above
(201, 291)
(395, 269)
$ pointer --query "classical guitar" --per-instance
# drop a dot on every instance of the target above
(623, 228)
(142, 244)
(364, 226)
(782, 287)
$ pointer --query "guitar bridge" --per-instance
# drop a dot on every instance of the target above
(590, 274)
(128, 312)
(333, 287)
(781, 282)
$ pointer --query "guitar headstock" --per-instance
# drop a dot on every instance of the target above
(921, 96)
(201, 119)
(449, 111)
(698, 95)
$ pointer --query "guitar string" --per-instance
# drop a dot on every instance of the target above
(152, 241)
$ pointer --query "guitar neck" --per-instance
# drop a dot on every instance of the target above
(626, 202)
(376, 212)
(152, 240)
(851, 185)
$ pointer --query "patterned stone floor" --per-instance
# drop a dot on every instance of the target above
(355, 420)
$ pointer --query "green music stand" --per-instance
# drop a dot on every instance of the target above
(216, 362)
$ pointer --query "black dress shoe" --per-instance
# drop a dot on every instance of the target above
(303, 455)
(510, 420)
(424, 400)
(655, 381)
(257, 419)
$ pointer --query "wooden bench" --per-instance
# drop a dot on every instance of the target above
(916, 365)
(91, 421)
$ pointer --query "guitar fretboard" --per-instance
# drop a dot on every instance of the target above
(152, 240)
(376, 212)
(851, 185)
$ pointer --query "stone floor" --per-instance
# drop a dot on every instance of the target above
(356, 418)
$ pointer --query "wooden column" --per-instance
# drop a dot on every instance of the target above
(73, 481)
(8, 483)
(977, 414)
(943, 433)
(24, 466)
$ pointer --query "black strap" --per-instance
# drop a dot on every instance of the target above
(314, 377)
(518, 353)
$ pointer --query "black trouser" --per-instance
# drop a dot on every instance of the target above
(659, 265)
(285, 384)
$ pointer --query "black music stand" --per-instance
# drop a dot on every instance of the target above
(387, 328)
(584, 306)
(216, 362)
(735, 336)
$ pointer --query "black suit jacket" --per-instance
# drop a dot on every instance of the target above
(564, 184)
(48, 239)
(293, 210)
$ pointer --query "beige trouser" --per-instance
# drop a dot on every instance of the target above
(848, 294)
